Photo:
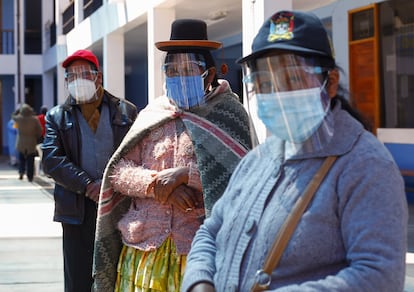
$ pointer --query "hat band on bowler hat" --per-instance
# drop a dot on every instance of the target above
(185, 44)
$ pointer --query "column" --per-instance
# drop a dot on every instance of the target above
(61, 54)
(48, 90)
(61, 86)
(159, 29)
(113, 67)
(254, 14)
(78, 9)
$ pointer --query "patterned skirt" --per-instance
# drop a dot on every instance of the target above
(159, 270)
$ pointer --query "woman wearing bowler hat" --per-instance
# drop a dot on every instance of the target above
(351, 236)
(170, 169)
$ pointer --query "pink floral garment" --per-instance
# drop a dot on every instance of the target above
(148, 223)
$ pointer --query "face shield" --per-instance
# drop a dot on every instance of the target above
(80, 83)
(184, 75)
(287, 93)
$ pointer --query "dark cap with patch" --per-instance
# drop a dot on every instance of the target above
(291, 31)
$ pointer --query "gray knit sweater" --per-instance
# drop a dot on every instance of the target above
(352, 237)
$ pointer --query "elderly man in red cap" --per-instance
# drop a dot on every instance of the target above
(81, 136)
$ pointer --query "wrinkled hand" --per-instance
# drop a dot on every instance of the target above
(202, 287)
(167, 181)
(183, 198)
(93, 189)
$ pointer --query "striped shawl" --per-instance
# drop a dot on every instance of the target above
(220, 134)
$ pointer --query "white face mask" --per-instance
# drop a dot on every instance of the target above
(82, 90)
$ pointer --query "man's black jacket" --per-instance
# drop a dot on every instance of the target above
(62, 150)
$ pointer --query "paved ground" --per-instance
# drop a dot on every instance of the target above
(31, 244)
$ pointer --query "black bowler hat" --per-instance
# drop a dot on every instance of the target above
(291, 31)
(188, 34)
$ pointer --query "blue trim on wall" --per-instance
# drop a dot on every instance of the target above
(404, 157)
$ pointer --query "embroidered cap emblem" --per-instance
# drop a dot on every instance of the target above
(281, 27)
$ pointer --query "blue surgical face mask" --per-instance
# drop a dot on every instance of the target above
(186, 91)
(292, 115)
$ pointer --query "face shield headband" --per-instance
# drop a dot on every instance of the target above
(80, 83)
(184, 79)
(287, 93)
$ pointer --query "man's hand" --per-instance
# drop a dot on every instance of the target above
(93, 189)
(167, 180)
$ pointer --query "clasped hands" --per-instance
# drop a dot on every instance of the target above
(170, 187)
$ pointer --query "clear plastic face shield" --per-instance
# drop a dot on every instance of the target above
(80, 82)
(287, 93)
(184, 75)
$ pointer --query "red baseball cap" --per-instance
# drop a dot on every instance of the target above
(81, 55)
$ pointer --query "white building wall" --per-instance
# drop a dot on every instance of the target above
(339, 13)
(114, 64)
(102, 22)
(159, 26)
(254, 14)
(47, 21)
(117, 16)
(8, 65)
(31, 65)
(48, 90)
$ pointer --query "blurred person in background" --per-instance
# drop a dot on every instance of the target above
(29, 132)
(41, 116)
(11, 141)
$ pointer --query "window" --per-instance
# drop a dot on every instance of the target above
(68, 18)
(90, 6)
(33, 27)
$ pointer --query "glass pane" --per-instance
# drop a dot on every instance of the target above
(397, 50)
(363, 24)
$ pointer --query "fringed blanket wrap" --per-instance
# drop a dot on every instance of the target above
(220, 134)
